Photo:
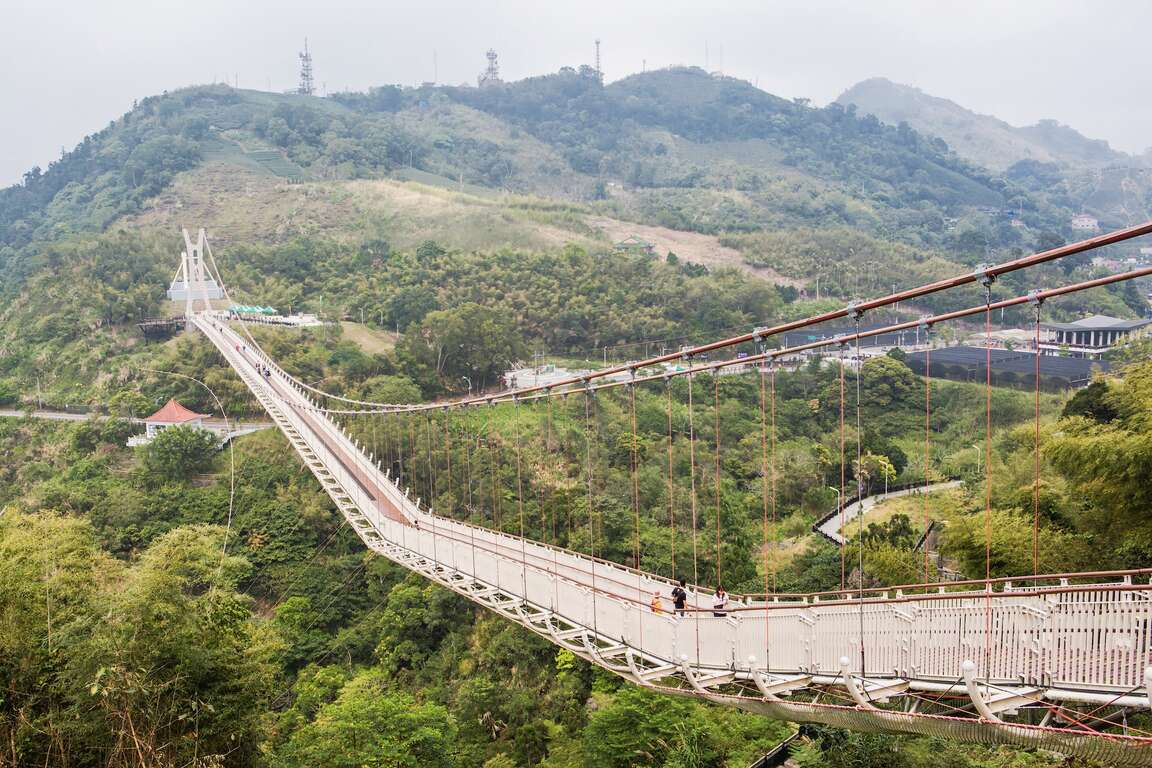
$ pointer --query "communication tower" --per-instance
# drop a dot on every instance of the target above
(307, 85)
(491, 75)
(599, 72)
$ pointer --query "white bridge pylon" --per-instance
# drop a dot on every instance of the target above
(193, 281)
(1049, 664)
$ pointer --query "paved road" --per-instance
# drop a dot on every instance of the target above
(215, 424)
(831, 527)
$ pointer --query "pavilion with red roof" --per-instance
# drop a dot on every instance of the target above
(172, 414)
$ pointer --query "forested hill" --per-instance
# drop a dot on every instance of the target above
(982, 139)
(676, 148)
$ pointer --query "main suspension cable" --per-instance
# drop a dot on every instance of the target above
(794, 350)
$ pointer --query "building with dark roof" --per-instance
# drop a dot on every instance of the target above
(1090, 337)
(1009, 369)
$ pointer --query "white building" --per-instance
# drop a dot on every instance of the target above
(1090, 337)
(1084, 223)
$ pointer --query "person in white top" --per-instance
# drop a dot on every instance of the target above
(720, 602)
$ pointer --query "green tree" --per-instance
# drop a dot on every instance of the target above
(635, 729)
(129, 402)
(370, 725)
(390, 389)
(1091, 402)
(872, 469)
(470, 340)
(179, 452)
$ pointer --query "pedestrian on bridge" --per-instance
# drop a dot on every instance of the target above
(680, 597)
(720, 603)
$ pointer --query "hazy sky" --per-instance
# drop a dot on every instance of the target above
(67, 67)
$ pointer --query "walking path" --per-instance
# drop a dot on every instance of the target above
(239, 428)
(831, 526)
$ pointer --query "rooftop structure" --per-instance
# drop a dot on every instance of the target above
(1090, 337)
(1008, 338)
(172, 414)
(636, 245)
(1009, 369)
(1084, 223)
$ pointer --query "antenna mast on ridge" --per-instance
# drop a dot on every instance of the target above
(491, 75)
(307, 85)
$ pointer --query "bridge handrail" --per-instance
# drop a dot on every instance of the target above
(800, 600)
(942, 585)
(849, 597)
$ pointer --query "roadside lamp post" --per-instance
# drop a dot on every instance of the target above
(839, 501)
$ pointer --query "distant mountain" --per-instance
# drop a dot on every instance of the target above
(983, 139)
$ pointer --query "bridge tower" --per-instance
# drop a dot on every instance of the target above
(193, 281)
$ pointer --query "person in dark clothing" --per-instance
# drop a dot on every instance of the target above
(680, 597)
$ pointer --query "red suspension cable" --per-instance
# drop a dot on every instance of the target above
(635, 483)
(927, 442)
(1036, 457)
(769, 571)
(988, 476)
(448, 462)
(772, 465)
(692, 502)
(671, 485)
(716, 429)
(843, 481)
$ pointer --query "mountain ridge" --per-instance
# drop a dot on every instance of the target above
(971, 134)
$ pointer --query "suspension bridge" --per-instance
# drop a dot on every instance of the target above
(1055, 661)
